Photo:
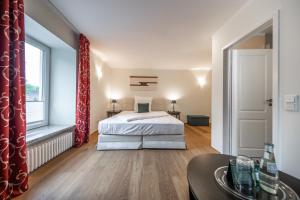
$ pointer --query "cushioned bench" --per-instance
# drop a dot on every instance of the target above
(198, 120)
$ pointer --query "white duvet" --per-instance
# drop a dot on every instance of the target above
(132, 123)
(140, 116)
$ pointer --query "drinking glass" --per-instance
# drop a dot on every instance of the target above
(244, 179)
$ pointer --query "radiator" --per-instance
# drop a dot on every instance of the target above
(39, 154)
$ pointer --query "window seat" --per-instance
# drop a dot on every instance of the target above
(43, 133)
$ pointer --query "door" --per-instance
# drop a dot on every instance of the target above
(251, 101)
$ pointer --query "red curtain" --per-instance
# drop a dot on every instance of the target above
(13, 168)
(83, 93)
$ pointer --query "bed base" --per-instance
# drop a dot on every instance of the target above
(120, 142)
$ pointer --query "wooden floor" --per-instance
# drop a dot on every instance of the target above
(87, 174)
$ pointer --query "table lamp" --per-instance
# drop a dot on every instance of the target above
(114, 101)
(173, 102)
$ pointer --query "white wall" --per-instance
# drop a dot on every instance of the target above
(247, 19)
(62, 86)
(172, 84)
(100, 76)
(48, 16)
(290, 84)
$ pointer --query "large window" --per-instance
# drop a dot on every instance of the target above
(37, 83)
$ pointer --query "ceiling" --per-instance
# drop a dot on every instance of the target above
(164, 34)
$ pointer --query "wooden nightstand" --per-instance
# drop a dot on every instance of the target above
(175, 114)
(111, 113)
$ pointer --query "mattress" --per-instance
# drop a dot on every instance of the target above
(171, 138)
(130, 123)
(119, 138)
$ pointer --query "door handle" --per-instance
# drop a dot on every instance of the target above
(269, 102)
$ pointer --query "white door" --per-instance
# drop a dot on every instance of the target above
(251, 96)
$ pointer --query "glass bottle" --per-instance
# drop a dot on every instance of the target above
(268, 174)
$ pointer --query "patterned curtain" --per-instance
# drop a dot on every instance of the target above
(83, 93)
(13, 168)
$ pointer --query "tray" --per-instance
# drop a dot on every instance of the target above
(284, 192)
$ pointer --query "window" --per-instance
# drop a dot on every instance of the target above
(37, 83)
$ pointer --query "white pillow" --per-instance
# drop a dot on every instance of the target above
(138, 99)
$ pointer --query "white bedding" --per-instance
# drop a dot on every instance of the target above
(141, 116)
(132, 123)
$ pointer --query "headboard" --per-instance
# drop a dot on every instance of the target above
(158, 104)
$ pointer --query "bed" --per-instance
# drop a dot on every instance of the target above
(132, 130)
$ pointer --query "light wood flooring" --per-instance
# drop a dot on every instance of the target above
(87, 174)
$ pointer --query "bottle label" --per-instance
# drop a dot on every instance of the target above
(271, 168)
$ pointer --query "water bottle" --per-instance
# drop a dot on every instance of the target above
(268, 174)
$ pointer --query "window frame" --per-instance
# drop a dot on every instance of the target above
(45, 81)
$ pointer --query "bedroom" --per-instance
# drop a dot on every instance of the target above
(133, 99)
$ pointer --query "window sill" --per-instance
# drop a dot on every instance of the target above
(37, 135)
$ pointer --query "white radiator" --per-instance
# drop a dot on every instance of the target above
(44, 151)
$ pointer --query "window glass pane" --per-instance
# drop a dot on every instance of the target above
(33, 63)
(34, 84)
(34, 111)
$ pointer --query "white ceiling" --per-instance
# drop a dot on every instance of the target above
(165, 34)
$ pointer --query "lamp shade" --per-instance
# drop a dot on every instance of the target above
(114, 101)
(173, 101)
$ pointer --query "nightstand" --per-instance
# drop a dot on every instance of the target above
(111, 113)
(175, 114)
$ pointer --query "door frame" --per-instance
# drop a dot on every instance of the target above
(227, 83)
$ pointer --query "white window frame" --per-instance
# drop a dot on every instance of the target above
(45, 81)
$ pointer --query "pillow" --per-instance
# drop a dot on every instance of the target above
(143, 107)
(138, 99)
